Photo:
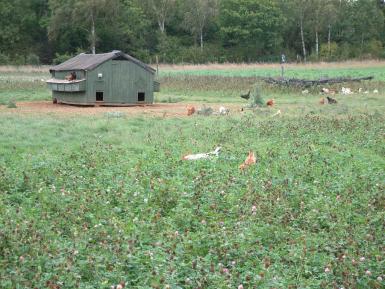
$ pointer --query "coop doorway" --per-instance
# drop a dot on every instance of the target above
(99, 96)
(141, 96)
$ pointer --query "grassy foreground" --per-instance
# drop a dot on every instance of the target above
(91, 202)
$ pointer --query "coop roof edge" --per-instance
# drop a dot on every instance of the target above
(85, 61)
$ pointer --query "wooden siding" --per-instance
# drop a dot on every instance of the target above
(70, 97)
(63, 94)
(121, 82)
(70, 86)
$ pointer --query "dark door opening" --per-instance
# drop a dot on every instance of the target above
(141, 96)
(99, 96)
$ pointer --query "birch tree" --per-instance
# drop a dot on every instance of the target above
(330, 17)
(317, 21)
(162, 10)
(88, 12)
(302, 14)
(197, 16)
(322, 17)
(301, 9)
(82, 14)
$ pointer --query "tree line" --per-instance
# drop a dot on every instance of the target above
(192, 31)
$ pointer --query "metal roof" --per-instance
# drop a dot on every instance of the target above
(91, 61)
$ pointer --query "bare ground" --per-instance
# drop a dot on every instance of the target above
(48, 108)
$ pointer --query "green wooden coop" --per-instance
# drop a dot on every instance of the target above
(113, 78)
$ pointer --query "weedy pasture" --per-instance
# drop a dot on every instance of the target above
(94, 201)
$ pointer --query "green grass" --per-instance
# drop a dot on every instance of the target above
(88, 202)
(202, 84)
(220, 89)
(23, 86)
(297, 72)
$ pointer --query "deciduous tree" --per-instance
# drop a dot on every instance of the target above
(198, 13)
(251, 22)
(82, 14)
(162, 10)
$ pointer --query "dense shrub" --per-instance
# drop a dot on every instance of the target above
(33, 59)
(374, 49)
(60, 58)
(329, 55)
(18, 60)
(4, 59)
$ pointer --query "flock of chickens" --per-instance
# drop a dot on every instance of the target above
(271, 102)
(251, 159)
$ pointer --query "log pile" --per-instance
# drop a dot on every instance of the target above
(308, 83)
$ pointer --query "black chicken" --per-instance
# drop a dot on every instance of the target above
(246, 96)
(331, 100)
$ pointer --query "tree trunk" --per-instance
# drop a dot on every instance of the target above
(303, 40)
(316, 44)
(362, 44)
(93, 35)
(201, 39)
(157, 65)
(161, 25)
(329, 39)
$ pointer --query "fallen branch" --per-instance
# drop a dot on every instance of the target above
(308, 83)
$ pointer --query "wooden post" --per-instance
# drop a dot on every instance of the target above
(283, 61)
(329, 41)
(157, 65)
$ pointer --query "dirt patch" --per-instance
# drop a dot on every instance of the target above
(48, 108)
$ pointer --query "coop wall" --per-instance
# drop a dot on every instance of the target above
(121, 82)
(70, 97)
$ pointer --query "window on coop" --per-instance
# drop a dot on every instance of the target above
(99, 96)
(141, 96)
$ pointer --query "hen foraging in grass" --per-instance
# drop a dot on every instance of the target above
(200, 156)
(331, 100)
(270, 102)
(190, 110)
(246, 96)
(328, 91)
(250, 160)
(223, 110)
